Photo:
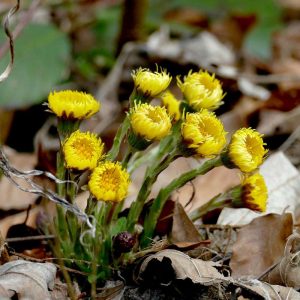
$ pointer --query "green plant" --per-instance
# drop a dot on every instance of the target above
(151, 136)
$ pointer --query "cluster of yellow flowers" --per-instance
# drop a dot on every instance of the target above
(85, 151)
(174, 128)
(202, 133)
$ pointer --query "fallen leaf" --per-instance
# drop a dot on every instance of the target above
(184, 233)
(170, 268)
(260, 244)
(19, 218)
(206, 187)
(11, 196)
(287, 271)
(197, 270)
(26, 279)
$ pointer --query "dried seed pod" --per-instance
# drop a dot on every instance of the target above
(123, 242)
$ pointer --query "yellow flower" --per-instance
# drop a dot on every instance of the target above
(109, 182)
(204, 133)
(82, 150)
(150, 122)
(171, 104)
(151, 84)
(255, 193)
(246, 149)
(73, 104)
(201, 90)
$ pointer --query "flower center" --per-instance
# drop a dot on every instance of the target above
(154, 116)
(110, 179)
(253, 146)
(207, 82)
(83, 147)
(207, 128)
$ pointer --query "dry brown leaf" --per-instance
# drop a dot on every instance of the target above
(11, 196)
(26, 279)
(287, 271)
(197, 270)
(19, 218)
(169, 266)
(184, 232)
(290, 67)
(260, 244)
(205, 187)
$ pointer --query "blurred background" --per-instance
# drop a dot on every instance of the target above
(252, 46)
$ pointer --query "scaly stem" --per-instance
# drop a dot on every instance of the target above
(167, 152)
(150, 178)
(122, 131)
(231, 198)
(219, 201)
(162, 197)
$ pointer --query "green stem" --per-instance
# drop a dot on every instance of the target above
(122, 131)
(219, 201)
(129, 153)
(231, 198)
(162, 197)
(60, 173)
(150, 178)
(66, 127)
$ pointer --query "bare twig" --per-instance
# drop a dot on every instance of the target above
(4, 256)
(26, 18)
(254, 78)
(8, 69)
(40, 260)
(29, 238)
(13, 174)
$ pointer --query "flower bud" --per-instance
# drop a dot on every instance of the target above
(123, 242)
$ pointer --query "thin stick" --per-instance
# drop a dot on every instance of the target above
(29, 238)
(19, 28)
(26, 257)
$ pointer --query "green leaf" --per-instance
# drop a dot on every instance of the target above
(41, 56)
(258, 41)
(118, 227)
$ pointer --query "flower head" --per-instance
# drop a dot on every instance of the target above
(255, 193)
(109, 182)
(252, 193)
(201, 90)
(204, 133)
(246, 149)
(150, 84)
(150, 122)
(82, 150)
(72, 104)
(171, 104)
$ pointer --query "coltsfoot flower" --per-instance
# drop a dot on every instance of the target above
(82, 150)
(253, 193)
(73, 104)
(246, 150)
(171, 104)
(201, 90)
(150, 122)
(109, 182)
(204, 133)
(151, 84)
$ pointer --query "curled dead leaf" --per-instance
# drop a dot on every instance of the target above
(26, 279)
(180, 265)
(184, 233)
(260, 244)
(287, 271)
(168, 269)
